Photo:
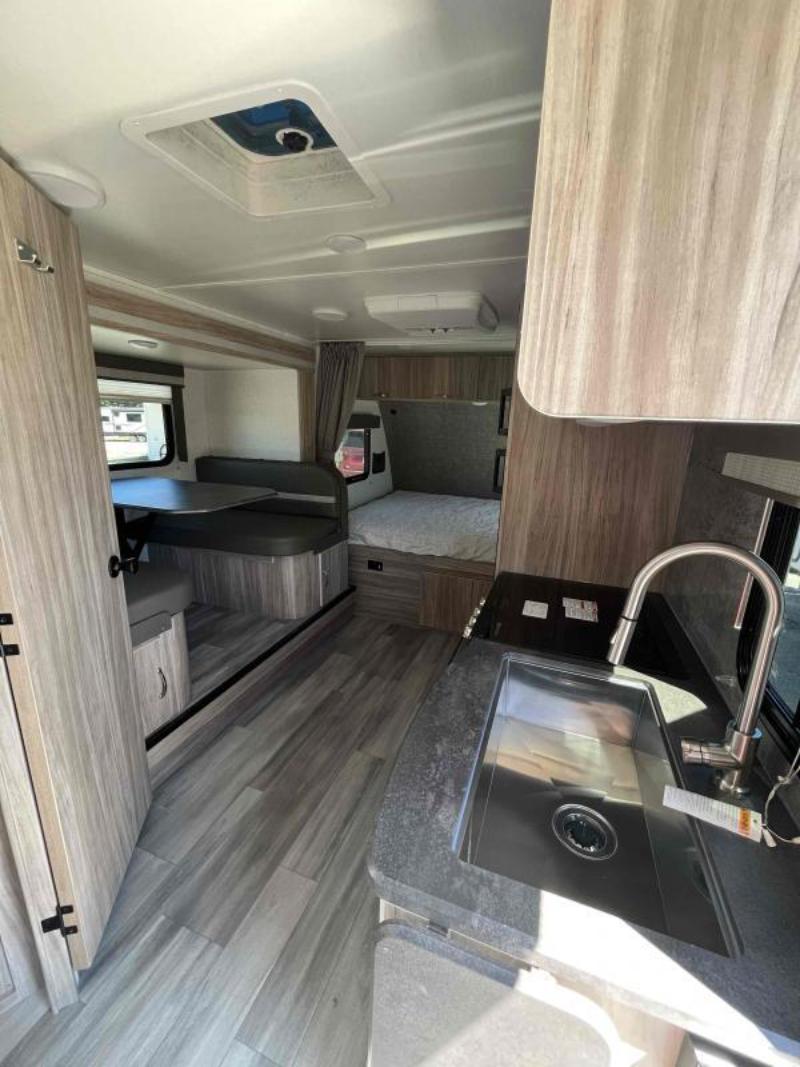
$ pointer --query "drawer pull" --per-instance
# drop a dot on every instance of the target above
(164, 685)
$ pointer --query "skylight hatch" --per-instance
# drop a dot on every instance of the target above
(283, 128)
(268, 154)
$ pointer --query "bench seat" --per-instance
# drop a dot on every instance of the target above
(248, 532)
(155, 590)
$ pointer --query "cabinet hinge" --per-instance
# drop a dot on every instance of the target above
(56, 922)
(6, 619)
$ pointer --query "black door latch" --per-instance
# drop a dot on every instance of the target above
(56, 922)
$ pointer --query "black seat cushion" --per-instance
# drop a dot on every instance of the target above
(249, 533)
(154, 589)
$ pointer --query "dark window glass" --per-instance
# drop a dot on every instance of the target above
(781, 549)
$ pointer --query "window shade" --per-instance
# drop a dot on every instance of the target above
(139, 391)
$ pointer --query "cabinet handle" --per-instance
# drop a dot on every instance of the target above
(164, 685)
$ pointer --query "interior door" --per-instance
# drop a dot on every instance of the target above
(73, 676)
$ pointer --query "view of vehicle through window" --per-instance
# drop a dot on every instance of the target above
(134, 419)
(352, 455)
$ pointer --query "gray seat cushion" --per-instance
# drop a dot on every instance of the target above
(249, 533)
(155, 590)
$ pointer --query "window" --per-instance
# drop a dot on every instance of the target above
(352, 457)
(136, 419)
(781, 549)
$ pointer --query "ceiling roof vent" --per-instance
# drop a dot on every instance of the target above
(434, 314)
(271, 151)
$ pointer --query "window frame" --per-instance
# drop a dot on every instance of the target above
(776, 550)
(169, 433)
(353, 478)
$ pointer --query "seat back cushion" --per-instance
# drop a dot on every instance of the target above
(303, 488)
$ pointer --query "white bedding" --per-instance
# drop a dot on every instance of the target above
(429, 524)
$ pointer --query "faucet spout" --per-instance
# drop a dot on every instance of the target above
(733, 755)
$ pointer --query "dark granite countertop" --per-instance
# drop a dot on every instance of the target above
(750, 1003)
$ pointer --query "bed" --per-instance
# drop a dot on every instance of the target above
(423, 558)
(429, 524)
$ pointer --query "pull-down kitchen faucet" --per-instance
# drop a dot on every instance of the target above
(734, 754)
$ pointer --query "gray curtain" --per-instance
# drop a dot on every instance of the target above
(338, 375)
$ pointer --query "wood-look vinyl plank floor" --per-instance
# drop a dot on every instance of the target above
(207, 1025)
(242, 936)
(336, 1034)
(240, 1055)
(221, 642)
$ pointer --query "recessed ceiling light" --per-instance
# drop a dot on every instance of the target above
(330, 314)
(67, 186)
(142, 342)
(346, 242)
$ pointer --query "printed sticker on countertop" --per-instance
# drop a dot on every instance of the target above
(535, 609)
(742, 821)
(586, 610)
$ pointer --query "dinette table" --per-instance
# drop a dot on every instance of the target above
(168, 496)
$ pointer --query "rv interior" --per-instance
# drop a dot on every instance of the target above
(399, 551)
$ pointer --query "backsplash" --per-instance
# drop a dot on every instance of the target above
(705, 592)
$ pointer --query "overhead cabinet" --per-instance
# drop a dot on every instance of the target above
(664, 267)
(436, 377)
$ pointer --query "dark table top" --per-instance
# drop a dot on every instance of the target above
(183, 497)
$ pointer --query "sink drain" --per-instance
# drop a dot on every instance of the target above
(584, 832)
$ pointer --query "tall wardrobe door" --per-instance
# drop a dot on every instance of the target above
(73, 677)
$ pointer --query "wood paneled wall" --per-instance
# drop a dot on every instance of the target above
(589, 503)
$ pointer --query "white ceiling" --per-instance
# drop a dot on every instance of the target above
(439, 97)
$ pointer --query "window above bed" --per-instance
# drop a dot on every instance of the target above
(352, 457)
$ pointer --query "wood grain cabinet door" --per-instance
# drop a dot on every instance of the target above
(456, 376)
(664, 266)
(73, 677)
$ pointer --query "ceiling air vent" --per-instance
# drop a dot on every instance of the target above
(434, 314)
(269, 152)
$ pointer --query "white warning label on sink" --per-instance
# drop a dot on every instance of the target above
(586, 610)
(535, 609)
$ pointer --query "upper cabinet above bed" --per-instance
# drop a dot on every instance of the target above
(664, 267)
(436, 377)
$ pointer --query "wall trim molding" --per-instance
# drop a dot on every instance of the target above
(134, 308)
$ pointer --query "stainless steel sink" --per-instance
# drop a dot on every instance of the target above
(568, 798)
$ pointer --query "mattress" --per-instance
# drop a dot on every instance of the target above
(429, 524)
